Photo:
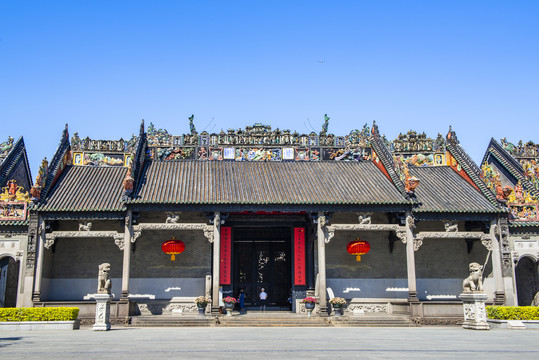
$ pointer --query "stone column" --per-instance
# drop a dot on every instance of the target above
(322, 301)
(128, 237)
(20, 283)
(410, 258)
(216, 261)
(40, 248)
(499, 294)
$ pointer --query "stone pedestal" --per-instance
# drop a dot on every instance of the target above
(102, 312)
(475, 315)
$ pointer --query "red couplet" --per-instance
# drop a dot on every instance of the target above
(299, 256)
(226, 255)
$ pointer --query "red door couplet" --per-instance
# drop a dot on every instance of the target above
(226, 255)
(299, 256)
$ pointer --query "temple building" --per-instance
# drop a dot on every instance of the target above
(390, 226)
(512, 172)
(15, 184)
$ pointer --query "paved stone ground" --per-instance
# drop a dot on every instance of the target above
(280, 343)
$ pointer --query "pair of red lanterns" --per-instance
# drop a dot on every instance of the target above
(357, 247)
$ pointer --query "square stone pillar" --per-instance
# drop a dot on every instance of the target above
(128, 237)
(410, 258)
(40, 248)
(216, 262)
(322, 300)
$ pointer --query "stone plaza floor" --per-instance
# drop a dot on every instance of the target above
(275, 343)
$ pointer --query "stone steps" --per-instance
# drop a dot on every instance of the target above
(273, 320)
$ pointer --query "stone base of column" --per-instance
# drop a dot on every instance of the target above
(102, 312)
(499, 298)
(322, 311)
(412, 296)
(36, 296)
(475, 315)
(215, 310)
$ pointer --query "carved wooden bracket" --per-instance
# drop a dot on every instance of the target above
(328, 234)
(486, 240)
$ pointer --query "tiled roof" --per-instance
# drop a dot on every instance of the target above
(87, 188)
(281, 183)
(523, 223)
(14, 222)
(441, 189)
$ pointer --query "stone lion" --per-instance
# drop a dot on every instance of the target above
(103, 281)
(474, 283)
(535, 301)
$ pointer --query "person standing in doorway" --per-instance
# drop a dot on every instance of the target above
(241, 298)
(263, 298)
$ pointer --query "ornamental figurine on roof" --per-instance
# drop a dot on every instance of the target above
(13, 201)
(417, 150)
(102, 152)
(5, 148)
(259, 143)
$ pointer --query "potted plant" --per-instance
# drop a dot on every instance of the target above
(230, 302)
(309, 302)
(338, 303)
(201, 302)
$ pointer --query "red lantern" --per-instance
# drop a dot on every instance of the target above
(173, 247)
(358, 247)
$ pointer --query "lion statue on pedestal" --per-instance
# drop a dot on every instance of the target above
(474, 282)
(103, 280)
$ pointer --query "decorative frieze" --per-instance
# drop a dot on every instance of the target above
(365, 227)
(207, 229)
(450, 235)
(51, 237)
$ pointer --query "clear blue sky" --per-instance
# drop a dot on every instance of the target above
(102, 66)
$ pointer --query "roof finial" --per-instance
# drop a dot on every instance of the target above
(325, 125)
(452, 136)
(374, 129)
(192, 124)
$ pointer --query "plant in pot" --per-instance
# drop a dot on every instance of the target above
(338, 303)
(230, 302)
(202, 302)
(309, 302)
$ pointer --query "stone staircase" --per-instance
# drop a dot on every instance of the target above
(272, 319)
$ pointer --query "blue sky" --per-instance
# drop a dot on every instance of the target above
(102, 66)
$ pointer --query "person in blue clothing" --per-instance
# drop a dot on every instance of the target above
(263, 299)
(241, 298)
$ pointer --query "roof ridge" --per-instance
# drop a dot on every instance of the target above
(387, 160)
(469, 166)
(55, 168)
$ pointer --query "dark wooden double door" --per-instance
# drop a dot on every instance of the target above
(262, 259)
